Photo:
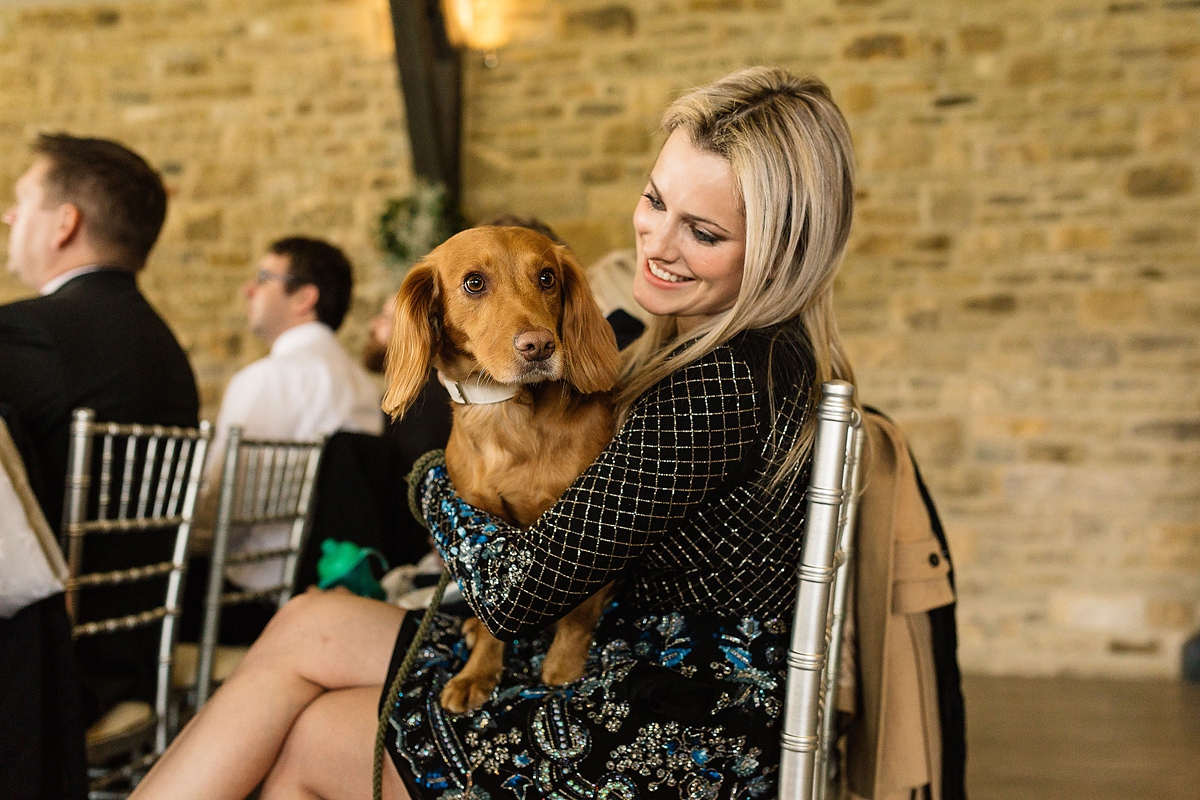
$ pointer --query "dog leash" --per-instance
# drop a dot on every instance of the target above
(393, 691)
(422, 466)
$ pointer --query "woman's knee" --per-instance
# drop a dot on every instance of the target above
(331, 638)
(297, 625)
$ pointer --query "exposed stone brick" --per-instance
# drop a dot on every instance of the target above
(857, 99)
(1172, 614)
(981, 38)
(598, 109)
(1033, 69)
(992, 304)
(601, 173)
(204, 229)
(1114, 306)
(1056, 452)
(606, 20)
(1163, 180)
(1161, 235)
(938, 442)
(1138, 647)
(881, 45)
(1080, 237)
(1080, 352)
(1177, 430)
(626, 140)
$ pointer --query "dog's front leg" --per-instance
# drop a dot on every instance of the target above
(567, 656)
(470, 688)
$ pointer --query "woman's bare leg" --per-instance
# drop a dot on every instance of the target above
(330, 750)
(317, 642)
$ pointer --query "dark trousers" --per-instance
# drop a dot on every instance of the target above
(41, 714)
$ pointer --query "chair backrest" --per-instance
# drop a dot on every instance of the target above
(821, 596)
(262, 482)
(147, 479)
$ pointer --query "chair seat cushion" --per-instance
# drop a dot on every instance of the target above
(187, 655)
(123, 728)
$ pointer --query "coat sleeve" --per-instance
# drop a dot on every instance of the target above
(31, 370)
(679, 444)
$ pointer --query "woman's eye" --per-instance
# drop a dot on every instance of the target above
(546, 279)
(474, 284)
(704, 237)
(653, 200)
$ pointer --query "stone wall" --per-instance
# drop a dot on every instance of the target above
(1023, 285)
(265, 118)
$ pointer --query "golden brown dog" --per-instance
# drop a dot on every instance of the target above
(506, 317)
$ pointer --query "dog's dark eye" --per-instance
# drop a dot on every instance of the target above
(474, 283)
(546, 279)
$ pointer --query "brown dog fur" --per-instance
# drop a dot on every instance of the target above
(512, 459)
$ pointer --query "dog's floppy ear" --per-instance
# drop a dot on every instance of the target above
(413, 338)
(591, 357)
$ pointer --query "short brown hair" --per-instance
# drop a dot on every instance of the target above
(324, 266)
(120, 196)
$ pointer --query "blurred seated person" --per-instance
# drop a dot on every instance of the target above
(611, 281)
(42, 754)
(86, 215)
(307, 386)
(426, 426)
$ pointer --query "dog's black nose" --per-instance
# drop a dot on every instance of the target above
(536, 345)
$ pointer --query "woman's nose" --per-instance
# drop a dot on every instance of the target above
(655, 236)
(658, 244)
(248, 289)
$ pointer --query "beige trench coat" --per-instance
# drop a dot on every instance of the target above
(888, 681)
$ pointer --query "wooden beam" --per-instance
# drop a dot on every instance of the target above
(430, 70)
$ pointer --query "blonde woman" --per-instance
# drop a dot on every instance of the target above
(695, 507)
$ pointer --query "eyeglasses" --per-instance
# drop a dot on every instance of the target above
(263, 275)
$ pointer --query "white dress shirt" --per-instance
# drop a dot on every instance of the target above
(307, 386)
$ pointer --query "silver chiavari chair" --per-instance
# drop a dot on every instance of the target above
(262, 482)
(155, 491)
(822, 593)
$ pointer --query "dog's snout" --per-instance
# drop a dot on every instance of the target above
(535, 345)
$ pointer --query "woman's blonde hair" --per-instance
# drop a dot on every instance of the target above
(791, 155)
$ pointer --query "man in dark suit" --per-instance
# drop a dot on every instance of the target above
(86, 215)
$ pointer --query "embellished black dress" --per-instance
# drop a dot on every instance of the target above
(684, 681)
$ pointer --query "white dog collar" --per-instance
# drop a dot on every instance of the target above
(475, 391)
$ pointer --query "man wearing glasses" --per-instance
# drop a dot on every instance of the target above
(305, 387)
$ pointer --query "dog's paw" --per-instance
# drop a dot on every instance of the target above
(557, 671)
(466, 692)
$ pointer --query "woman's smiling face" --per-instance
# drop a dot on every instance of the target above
(691, 235)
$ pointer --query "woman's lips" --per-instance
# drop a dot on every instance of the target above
(664, 275)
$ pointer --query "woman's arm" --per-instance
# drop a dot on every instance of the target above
(679, 444)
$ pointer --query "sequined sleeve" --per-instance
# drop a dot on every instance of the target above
(680, 443)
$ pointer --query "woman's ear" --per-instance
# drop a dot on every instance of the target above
(410, 350)
(591, 357)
